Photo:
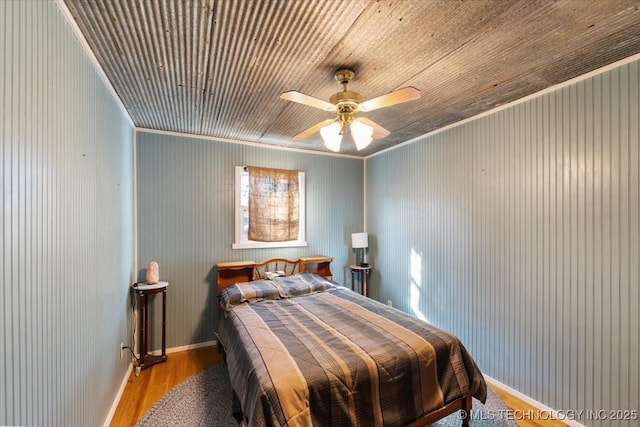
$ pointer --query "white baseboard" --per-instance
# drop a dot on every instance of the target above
(543, 409)
(123, 384)
(185, 347)
(114, 406)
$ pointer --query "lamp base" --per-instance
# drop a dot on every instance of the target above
(359, 256)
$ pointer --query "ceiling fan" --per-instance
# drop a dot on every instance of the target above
(345, 105)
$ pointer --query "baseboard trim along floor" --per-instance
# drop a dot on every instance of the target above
(560, 416)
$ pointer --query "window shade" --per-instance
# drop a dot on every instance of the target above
(273, 204)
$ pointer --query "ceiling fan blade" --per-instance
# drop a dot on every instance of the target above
(313, 129)
(401, 95)
(301, 98)
(378, 131)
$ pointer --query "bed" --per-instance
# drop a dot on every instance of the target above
(303, 350)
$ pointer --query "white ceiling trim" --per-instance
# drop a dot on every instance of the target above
(236, 141)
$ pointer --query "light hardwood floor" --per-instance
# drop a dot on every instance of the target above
(143, 391)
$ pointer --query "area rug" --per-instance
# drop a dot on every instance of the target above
(205, 399)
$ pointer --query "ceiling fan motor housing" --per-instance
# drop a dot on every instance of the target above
(346, 101)
(346, 97)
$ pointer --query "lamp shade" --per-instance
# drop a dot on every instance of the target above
(332, 136)
(361, 134)
(359, 240)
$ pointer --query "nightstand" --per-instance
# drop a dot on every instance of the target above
(363, 277)
(143, 290)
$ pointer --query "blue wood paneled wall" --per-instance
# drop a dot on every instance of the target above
(66, 225)
(185, 193)
(519, 232)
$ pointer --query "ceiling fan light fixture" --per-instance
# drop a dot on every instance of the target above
(345, 105)
(332, 136)
(362, 134)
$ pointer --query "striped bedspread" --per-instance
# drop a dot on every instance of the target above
(334, 357)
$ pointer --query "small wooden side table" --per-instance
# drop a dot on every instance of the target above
(363, 274)
(143, 290)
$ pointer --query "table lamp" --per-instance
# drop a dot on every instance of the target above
(359, 242)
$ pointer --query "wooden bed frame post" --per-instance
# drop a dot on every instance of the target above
(463, 404)
(466, 412)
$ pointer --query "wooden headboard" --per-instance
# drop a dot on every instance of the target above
(284, 266)
(229, 273)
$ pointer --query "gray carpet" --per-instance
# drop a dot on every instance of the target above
(205, 399)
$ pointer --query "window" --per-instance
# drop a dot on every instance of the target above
(270, 197)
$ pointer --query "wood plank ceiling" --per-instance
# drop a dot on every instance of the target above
(217, 68)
